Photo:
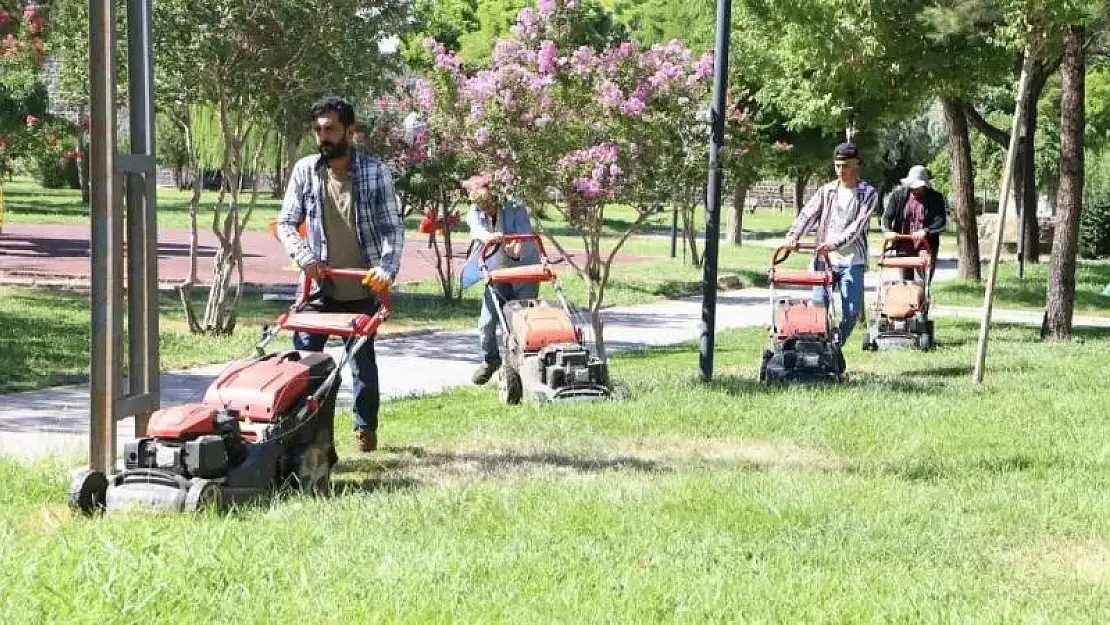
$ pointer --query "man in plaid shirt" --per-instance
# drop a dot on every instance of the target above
(346, 200)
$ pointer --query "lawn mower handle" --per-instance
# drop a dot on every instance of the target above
(782, 252)
(890, 239)
(489, 247)
(362, 275)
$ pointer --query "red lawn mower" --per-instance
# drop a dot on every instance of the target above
(264, 424)
(900, 318)
(544, 357)
(805, 345)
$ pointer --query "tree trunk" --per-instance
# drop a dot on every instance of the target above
(963, 189)
(278, 190)
(1060, 300)
(735, 230)
(294, 130)
(800, 193)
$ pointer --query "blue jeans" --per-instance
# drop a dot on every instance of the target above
(363, 365)
(488, 320)
(849, 281)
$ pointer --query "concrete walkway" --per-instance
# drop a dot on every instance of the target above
(55, 421)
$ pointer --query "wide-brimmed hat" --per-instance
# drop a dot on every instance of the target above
(917, 178)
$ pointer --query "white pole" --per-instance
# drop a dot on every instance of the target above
(1003, 207)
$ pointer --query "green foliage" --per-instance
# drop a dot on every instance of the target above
(1094, 223)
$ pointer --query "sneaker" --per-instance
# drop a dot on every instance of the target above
(367, 440)
(483, 373)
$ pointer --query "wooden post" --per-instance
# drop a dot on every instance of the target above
(1007, 181)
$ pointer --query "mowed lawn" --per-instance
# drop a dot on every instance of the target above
(908, 495)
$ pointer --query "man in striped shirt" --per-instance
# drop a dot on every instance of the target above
(840, 212)
(346, 199)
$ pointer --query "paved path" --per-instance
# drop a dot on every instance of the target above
(33, 252)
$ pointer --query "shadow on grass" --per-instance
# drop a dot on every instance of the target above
(930, 469)
(342, 487)
(750, 384)
(482, 464)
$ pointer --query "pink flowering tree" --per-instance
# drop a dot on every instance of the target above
(580, 129)
(22, 54)
(422, 142)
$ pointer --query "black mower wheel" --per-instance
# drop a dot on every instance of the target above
(314, 470)
(925, 341)
(511, 388)
(88, 492)
(767, 354)
(203, 495)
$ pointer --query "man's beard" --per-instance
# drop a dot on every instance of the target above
(334, 150)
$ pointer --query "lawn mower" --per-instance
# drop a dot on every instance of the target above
(900, 318)
(543, 355)
(265, 424)
(805, 345)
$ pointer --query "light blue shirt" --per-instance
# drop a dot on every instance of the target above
(512, 218)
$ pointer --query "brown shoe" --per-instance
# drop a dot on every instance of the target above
(367, 440)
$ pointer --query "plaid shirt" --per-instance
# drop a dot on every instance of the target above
(378, 222)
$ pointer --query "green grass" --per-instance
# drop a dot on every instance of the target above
(45, 336)
(907, 496)
(1029, 293)
(28, 202)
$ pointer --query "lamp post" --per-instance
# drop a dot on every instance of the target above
(713, 191)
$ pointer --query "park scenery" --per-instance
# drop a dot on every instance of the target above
(958, 477)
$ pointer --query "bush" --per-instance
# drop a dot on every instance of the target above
(57, 172)
(1094, 222)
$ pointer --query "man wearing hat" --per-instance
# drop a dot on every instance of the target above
(916, 209)
(490, 217)
(840, 212)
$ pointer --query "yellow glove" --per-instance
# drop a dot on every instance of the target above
(377, 279)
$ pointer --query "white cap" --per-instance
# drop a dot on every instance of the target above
(917, 178)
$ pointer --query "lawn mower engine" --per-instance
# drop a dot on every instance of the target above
(900, 319)
(545, 359)
(802, 348)
(257, 428)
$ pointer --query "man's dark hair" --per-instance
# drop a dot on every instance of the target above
(335, 104)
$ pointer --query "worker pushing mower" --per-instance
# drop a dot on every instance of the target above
(915, 217)
(265, 424)
(805, 343)
(900, 317)
(543, 354)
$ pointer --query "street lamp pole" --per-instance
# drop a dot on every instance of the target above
(713, 192)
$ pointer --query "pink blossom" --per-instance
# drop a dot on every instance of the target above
(545, 7)
(545, 101)
(5, 18)
(481, 136)
(615, 171)
(32, 121)
(527, 24)
(572, 4)
(581, 61)
(611, 95)
(542, 121)
(482, 86)
(633, 106)
(425, 96)
(504, 176)
(587, 187)
(704, 67)
(548, 54)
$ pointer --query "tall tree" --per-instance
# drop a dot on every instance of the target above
(1060, 299)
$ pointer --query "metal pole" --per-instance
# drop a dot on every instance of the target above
(713, 192)
(674, 230)
(142, 245)
(1007, 180)
(107, 238)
